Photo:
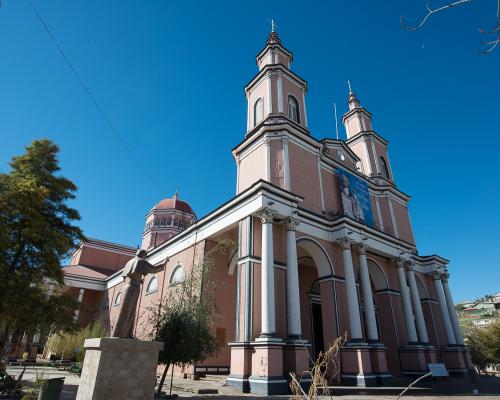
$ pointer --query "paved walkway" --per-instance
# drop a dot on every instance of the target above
(189, 389)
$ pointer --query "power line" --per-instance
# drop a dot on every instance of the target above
(89, 93)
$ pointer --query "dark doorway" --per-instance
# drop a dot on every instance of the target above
(317, 326)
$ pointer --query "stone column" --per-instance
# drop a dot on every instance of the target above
(451, 310)
(417, 306)
(450, 335)
(352, 295)
(268, 324)
(366, 289)
(292, 282)
(405, 298)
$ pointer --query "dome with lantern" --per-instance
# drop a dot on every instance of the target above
(165, 220)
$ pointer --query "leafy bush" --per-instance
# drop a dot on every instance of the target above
(69, 345)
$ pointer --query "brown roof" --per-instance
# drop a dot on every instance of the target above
(89, 272)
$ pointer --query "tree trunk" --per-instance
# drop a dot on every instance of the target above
(163, 376)
(171, 379)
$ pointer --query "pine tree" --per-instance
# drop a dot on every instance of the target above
(37, 232)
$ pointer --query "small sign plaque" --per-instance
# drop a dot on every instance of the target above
(438, 370)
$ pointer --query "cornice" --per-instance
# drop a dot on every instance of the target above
(275, 68)
(362, 134)
(272, 47)
(276, 128)
(260, 185)
(350, 113)
(343, 145)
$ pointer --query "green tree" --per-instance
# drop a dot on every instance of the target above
(491, 336)
(185, 320)
(475, 342)
(484, 344)
(36, 234)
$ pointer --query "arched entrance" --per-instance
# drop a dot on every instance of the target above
(317, 300)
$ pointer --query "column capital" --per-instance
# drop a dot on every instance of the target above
(409, 266)
(400, 262)
(445, 276)
(266, 216)
(285, 141)
(362, 248)
(267, 141)
(436, 276)
(291, 224)
(345, 243)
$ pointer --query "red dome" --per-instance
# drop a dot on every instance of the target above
(176, 204)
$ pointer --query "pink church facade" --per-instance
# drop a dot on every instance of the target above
(324, 247)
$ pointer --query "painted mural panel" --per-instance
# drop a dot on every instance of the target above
(355, 197)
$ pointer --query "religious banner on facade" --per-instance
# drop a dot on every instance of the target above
(355, 197)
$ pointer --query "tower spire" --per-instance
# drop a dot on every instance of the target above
(349, 85)
(352, 101)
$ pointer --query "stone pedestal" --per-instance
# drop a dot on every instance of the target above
(431, 355)
(413, 360)
(296, 359)
(267, 367)
(296, 356)
(364, 365)
(116, 369)
(455, 359)
(241, 365)
(378, 359)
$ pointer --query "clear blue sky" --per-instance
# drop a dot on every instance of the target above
(170, 75)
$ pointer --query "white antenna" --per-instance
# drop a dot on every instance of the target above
(349, 84)
(336, 122)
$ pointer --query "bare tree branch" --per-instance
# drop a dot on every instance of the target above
(431, 11)
(490, 45)
(495, 30)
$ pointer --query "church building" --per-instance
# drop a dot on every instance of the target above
(324, 247)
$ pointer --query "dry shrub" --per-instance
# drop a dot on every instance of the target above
(325, 368)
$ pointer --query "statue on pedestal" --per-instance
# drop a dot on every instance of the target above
(133, 272)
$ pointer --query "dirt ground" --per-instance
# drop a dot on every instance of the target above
(454, 389)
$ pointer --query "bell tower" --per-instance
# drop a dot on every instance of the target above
(275, 91)
(364, 141)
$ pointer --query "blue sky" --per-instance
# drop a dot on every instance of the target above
(170, 76)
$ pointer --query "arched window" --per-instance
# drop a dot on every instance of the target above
(384, 168)
(152, 285)
(258, 111)
(118, 299)
(177, 275)
(293, 109)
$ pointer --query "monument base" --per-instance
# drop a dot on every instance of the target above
(117, 368)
